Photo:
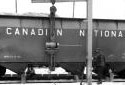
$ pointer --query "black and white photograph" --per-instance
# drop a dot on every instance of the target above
(62, 42)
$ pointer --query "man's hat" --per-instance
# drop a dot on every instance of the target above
(94, 51)
(97, 50)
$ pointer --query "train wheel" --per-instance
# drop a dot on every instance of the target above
(2, 71)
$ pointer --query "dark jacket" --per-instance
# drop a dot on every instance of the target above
(98, 60)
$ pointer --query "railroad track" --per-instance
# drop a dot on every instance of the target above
(14, 79)
(55, 81)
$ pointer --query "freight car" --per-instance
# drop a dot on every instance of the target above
(24, 41)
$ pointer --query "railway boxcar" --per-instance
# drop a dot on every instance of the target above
(23, 42)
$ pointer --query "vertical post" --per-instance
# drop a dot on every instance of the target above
(89, 42)
(16, 6)
(23, 78)
(73, 8)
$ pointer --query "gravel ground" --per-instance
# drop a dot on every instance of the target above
(94, 83)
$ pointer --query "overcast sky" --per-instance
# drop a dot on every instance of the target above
(105, 9)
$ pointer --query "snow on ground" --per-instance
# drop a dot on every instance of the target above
(43, 70)
(9, 72)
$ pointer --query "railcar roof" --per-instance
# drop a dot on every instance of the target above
(43, 15)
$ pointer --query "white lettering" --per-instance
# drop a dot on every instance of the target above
(106, 33)
(82, 33)
(120, 34)
(59, 32)
(113, 33)
(101, 33)
(8, 31)
(46, 32)
(96, 32)
(25, 31)
(40, 31)
(33, 32)
(17, 31)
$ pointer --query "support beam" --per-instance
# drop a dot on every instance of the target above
(48, 1)
(89, 42)
(23, 78)
(16, 6)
